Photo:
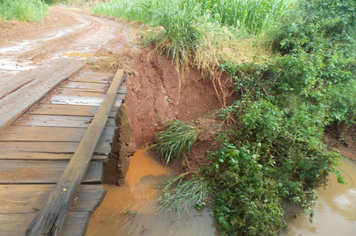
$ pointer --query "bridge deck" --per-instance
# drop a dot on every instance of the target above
(37, 147)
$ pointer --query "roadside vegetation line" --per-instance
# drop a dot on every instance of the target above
(186, 32)
(272, 136)
(23, 10)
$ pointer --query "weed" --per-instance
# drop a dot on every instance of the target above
(175, 140)
(194, 191)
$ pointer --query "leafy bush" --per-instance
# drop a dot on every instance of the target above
(23, 10)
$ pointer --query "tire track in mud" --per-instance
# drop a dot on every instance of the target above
(86, 36)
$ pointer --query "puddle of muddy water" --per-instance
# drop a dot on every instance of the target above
(139, 196)
(77, 54)
(335, 209)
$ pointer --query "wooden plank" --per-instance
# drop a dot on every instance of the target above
(51, 147)
(69, 110)
(16, 224)
(51, 217)
(85, 101)
(58, 121)
(16, 155)
(60, 134)
(123, 89)
(79, 84)
(97, 77)
(13, 105)
(81, 93)
(43, 172)
(30, 198)
(73, 91)
(14, 82)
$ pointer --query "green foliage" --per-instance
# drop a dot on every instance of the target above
(186, 27)
(281, 115)
(255, 16)
(23, 10)
(184, 194)
(175, 140)
(247, 200)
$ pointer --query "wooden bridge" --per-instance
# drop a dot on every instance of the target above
(53, 146)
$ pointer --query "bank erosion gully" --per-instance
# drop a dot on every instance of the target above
(56, 134)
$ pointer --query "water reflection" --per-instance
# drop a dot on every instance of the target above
(335, 210)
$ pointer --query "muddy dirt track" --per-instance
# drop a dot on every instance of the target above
(26, 45)
(153, 89)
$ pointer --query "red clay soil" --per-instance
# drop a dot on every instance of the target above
(154, 96)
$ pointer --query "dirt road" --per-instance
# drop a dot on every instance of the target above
(25, 46)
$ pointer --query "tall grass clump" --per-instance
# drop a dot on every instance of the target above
(256, 16)
(192, 33)
(175, 140)
(23, 10)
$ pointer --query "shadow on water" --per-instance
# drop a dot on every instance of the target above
(131, 209)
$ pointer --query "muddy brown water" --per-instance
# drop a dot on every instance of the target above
(139, 196)
(335, 209)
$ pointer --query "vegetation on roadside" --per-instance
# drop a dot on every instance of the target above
(23, 10)
(272, 136)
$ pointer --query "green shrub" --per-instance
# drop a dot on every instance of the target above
(23, 10)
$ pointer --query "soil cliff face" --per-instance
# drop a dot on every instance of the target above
(154, 95)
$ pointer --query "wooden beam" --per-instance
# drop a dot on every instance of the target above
(52, 216)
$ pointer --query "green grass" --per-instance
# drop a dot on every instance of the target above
(175, 140)
(23, 10)
(256, 16)
(179, 195)
(195, 33)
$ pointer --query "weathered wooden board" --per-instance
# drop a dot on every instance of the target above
(86, 101)
(51, 147)
(78, 92)
(16, 155)
(51, 217)
(29, 198)
(11, 83)
(70, 110)
(97, 77)
(74, 84)
(59, 121)
(13, 105)
(61, 134)
(17, 224)
(43, 172)
(123, 89)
